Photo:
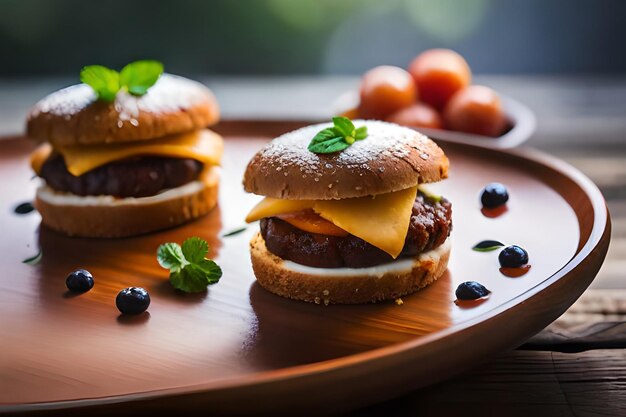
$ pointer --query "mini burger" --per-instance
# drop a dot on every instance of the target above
(344, 219)
(128, 161)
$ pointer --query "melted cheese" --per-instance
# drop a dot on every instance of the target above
(203, 145)
(381, 220)
(269, 207)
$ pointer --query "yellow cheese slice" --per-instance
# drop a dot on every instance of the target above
(203, 145)
(269, 207)
(381, 220)
(39, 156)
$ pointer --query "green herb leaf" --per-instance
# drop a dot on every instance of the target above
(337, 138)
(188, 280)
(104, 81)
(211, 270)
(324, 135)
(34, 260)
(170, 256)
(333, 145)
(361, 133)
(487, 246)
(189, 270)
(344, 126)
(195, 249)
(136, 77)
(139, 76)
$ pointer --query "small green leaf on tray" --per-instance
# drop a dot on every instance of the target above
(487, 246)
(236, 231)
(190, 270)
(338, 137)
(34, 260)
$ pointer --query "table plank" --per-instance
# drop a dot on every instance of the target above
(524, 383)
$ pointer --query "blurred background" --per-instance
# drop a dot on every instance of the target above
(279, 37)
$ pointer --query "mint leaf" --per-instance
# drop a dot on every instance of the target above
(136, 77)
(195, 249)
(170, 256)
(330, 146)
(361, 133)
(325, 135)
(344, 126)
(487, 246)
(189, 270)
(337, 138)
(104, 81)
(139, 76)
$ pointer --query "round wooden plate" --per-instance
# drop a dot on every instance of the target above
(237, 348)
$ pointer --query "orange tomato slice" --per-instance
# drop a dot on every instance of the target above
(311, 222)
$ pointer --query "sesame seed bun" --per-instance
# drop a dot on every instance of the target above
(346, 285)
(391, 158)
(109, 217)
(73, 115)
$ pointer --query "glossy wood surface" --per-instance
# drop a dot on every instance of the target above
(237, 347)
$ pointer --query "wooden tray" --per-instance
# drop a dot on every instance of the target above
(238, 348)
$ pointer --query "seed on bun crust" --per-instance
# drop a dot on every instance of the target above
(74, 116)
(392, 158)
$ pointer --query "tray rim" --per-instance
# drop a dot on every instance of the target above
(597, 241)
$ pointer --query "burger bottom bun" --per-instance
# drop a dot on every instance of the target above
(346, 285)
(110, 217)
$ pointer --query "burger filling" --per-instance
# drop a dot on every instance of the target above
(133, 169)
(305, 238)
(132, 177)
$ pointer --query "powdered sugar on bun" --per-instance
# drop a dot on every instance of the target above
(391, 158)
(73, 116)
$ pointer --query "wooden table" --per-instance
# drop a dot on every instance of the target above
(575, 367)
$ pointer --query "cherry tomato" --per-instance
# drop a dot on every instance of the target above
(475, 109)
(384, 90)
(439, 73)
(417, 115)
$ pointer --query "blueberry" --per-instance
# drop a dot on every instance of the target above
(79, 281)
(513, 257)
(471, 290)
(132, 300)
(494, 195)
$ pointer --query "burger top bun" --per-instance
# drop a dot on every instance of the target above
(390, 158)
(73, 115)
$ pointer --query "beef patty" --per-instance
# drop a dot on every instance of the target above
(429, 227)
(133, 177)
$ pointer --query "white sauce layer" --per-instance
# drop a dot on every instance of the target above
(400, 265)
(51, 196)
